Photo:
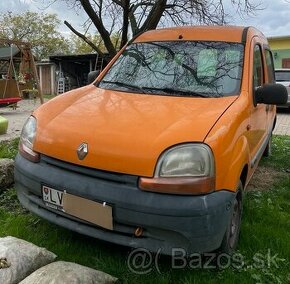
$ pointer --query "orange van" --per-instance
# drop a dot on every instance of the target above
(157, 151)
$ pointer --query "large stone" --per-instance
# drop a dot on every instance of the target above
(20, 258)
(62, 272)
(6, 173)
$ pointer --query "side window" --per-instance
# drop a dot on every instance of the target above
(270, 66)
(258, 78)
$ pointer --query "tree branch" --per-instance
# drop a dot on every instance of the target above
(154, 15)
(125, 28)
(118, 2)
(133, 21)
(142, 15)
(99, 25)
(83, 37)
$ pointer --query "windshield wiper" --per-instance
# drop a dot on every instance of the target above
(126, 85)
(166, 90)
(176, 91)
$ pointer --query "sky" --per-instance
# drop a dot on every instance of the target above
(273, 18)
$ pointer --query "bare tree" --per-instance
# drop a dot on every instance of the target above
(131, 17)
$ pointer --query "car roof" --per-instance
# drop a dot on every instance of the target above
(236, 34)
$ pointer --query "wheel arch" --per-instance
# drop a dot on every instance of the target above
(244, 175)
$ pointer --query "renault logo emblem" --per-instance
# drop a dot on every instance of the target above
(82, 151)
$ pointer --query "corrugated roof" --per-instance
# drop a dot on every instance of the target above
(5, 52)
(77, 57)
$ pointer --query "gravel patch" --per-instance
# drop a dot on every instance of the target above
(16, 118)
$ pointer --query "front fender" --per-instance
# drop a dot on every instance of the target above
(230, 145)
(240, 158)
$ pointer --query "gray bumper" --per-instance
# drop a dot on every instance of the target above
(194, 223)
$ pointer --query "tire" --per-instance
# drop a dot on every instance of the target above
(231, 237)
(268, 150)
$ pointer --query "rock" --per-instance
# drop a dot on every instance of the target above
(6, 173)
(20, 258)
(61, 272)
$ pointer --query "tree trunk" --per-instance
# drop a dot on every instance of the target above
(154, 16)
(126, 11)
(99, 25)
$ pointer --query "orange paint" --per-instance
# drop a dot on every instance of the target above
(127, 133)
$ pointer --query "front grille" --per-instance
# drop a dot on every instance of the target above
(104, 175)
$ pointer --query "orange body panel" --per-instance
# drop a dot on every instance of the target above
(202, 33)
(127, 133)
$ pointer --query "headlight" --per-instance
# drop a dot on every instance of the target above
(184, 169)
(26, 140)
(192, 160)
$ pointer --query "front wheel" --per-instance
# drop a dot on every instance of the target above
(231, 237)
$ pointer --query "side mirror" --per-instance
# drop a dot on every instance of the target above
(271, 94)
(92, 76)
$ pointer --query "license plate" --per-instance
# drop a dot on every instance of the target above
(94, 212)
(52, 198)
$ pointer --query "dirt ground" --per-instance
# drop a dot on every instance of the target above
(264, 178)
(16, 118)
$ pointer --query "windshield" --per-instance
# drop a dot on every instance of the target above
(184, 68)
(282, 76)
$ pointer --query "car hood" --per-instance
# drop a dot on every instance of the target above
(125, 132)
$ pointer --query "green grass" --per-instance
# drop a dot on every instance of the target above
(49, 96)
(280, 160)
(265, 229)
(9, 149)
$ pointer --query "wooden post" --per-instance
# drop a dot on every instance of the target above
(40, 74)
(52, 79)
(35, 75)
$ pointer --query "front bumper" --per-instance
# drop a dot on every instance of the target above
(193, 223)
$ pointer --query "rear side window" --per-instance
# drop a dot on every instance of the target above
(258, 76)
(270, 66)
